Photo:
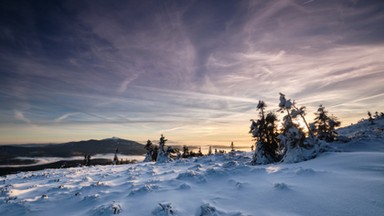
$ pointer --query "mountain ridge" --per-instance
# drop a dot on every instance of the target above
(73, 148)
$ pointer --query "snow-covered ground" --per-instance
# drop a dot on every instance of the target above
(347, 181)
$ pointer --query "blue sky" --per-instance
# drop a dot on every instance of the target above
(192, 70)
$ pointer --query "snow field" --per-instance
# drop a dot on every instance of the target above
(349, 181)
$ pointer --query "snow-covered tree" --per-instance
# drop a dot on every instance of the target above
(185, 151)
(370, 119)
(325, 126)
(155, 152)
(376, 115)
(149, 154)
(232, 147)
(115, 158)
(87, 160)
(264, 132)
(162, 155)
(199, 153)
(293, 137)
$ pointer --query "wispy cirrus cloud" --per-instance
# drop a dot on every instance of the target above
(196, 67)
(21, 117)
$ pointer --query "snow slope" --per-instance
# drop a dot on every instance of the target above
(348, 181)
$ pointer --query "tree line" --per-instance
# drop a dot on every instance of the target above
(285, 142)
(160, 153)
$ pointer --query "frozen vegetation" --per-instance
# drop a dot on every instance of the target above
(346, 179)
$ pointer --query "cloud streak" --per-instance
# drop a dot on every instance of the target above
(20, 117)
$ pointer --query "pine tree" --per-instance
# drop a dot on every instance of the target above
(264, 132)
(149, 148)
(185, 151)
(232, 147)
(88, 160)
(292, 137)
(376, 115)
(370, 119)
(168, 152)
(155, 152)
(115, 158)
(210, 150)
(200, 153)
(325, 126)
(162, 156)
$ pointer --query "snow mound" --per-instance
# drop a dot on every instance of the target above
(164, 209)
(305, 171)
(104, 210)
(281, 186)
(208, 210)
(184, 186)
(192, 176)
(144, 189)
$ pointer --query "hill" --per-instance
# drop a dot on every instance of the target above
(70, 149)
(347, 180)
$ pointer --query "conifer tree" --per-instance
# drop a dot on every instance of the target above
(88, 160)
(149, 148)
(376, 115)
(185, 151)
(168, 152)
(210, 150)
(115, 158)
(325, 126)
(199, 152)
(264, 132)
(292, 137)
(162, 156)
(155, 152)
(370, 119)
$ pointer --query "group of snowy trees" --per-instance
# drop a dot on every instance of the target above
(290, 143)
(371, 117)
(158, 153)
(189, 153)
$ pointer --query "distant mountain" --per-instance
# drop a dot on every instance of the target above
(80, 148)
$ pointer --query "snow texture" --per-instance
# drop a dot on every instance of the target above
(348, 180)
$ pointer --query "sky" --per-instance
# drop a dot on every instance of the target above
(191, 70)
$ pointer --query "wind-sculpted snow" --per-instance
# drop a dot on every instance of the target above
(281, 186)
(192, 176)
(348, 181)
